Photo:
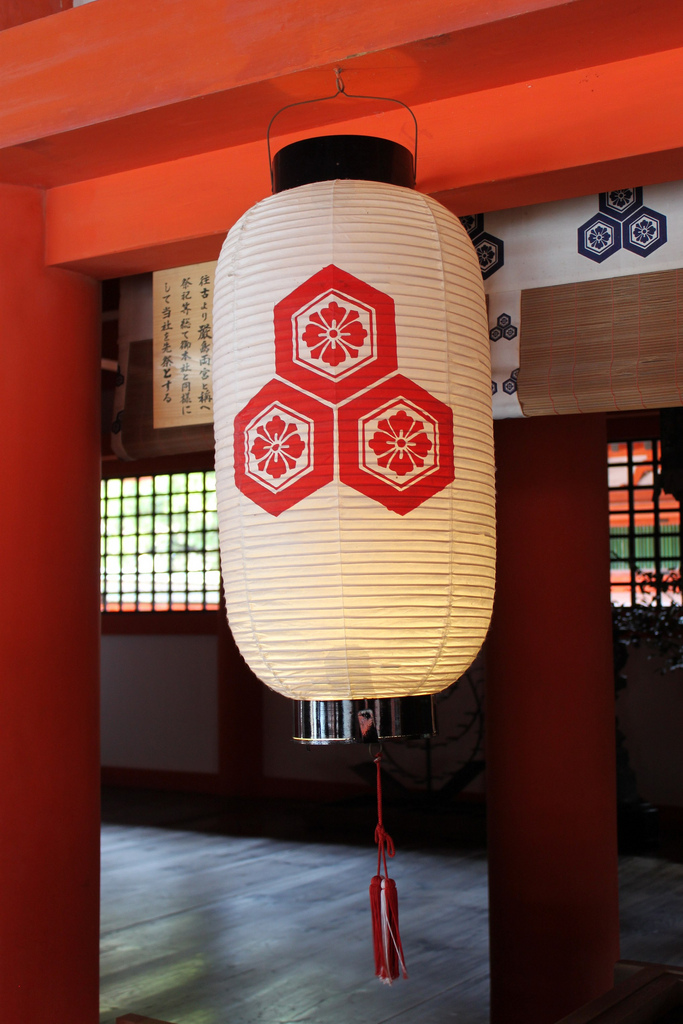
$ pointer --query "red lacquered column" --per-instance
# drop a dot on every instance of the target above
(550, 724)
(49, 628)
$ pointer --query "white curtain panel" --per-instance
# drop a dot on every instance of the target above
(354, 458)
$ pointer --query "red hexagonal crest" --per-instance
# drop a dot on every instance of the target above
(396, 444)
(284, 447)
(335, 335)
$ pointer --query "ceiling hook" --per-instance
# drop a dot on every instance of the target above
(340, 91)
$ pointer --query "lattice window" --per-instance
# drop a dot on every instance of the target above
(645, 530)
(159, 548)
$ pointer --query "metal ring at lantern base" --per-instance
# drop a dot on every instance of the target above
(363, 721)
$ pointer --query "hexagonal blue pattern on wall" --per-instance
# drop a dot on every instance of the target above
(491, 253)
(644, 231)
(621, 202)
(490, 250)
(599, 237)
(623, 221)
(473, 224)
(510, 385)
(503, 328)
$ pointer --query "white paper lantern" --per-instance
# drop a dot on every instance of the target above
(354, 461)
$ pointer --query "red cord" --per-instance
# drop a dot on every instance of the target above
(388, 949)
(385, 844)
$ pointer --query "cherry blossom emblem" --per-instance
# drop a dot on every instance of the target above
(335, 335)
(399, 444)
(278, 447)
(396, 444)
(336, 360)
(283, 447)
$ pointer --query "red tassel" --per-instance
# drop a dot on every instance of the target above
(386, 938)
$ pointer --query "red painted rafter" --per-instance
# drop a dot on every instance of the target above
(561, 135)
(112, 86)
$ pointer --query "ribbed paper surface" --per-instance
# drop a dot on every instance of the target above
(370, 574)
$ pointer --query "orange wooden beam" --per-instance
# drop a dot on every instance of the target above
(110, 87)
(125, 56)
(573, 130)
(589, 179)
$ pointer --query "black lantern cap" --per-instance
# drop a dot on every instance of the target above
(331, 157)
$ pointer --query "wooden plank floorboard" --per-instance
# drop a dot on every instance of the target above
(208, 927)
(200, 929)
(651, 908)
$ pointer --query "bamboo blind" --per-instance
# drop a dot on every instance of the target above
(600, 346)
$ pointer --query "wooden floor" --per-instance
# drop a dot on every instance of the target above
(217, 913)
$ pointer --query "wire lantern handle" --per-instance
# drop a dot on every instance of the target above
(340, 91)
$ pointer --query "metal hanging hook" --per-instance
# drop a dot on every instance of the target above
(340, 91)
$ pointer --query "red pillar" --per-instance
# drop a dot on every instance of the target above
(550, 724)
(49, 628)
(17, 12)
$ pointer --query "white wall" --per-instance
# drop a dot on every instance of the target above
(159, 703)
(160, 712)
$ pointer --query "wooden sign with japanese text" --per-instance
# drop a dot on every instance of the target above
(183, 300)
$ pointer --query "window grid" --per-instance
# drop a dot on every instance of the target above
(159, 543)
(645, 531)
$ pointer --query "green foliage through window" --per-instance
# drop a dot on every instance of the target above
(159, 547)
